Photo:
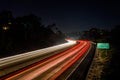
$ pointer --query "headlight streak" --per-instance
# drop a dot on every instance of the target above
(25, 56)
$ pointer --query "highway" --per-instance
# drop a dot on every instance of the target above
(22, 57)
(16, 62)
(51, 67)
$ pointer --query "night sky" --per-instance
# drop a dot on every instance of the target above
(69, 16)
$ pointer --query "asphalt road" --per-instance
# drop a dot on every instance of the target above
(57, 65)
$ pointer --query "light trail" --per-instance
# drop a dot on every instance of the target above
(25, 56)
(50, 68)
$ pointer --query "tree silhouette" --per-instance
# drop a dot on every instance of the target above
(115, 34)
(26, 33)
(94, 33)
(6, 21)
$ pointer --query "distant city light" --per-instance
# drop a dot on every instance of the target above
(9, 23)
(5, 27)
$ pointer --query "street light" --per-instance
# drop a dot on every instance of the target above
(5, 28)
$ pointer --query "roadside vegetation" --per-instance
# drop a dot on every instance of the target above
(100, 67)
(105, 65)
(26, 33)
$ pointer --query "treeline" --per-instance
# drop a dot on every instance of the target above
(103, 35)
(26, 33)
(111, 67)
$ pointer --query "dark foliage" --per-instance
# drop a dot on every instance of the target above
(26, 33)
(114, 66)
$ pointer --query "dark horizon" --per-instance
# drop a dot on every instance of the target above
(69, 16)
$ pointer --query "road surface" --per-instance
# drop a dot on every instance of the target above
(52, 67)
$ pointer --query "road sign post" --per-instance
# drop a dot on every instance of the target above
(103, 50)
(103, 45)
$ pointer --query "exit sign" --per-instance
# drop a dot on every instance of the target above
(103, 45)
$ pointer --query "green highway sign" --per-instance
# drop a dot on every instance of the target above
(103, 45)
